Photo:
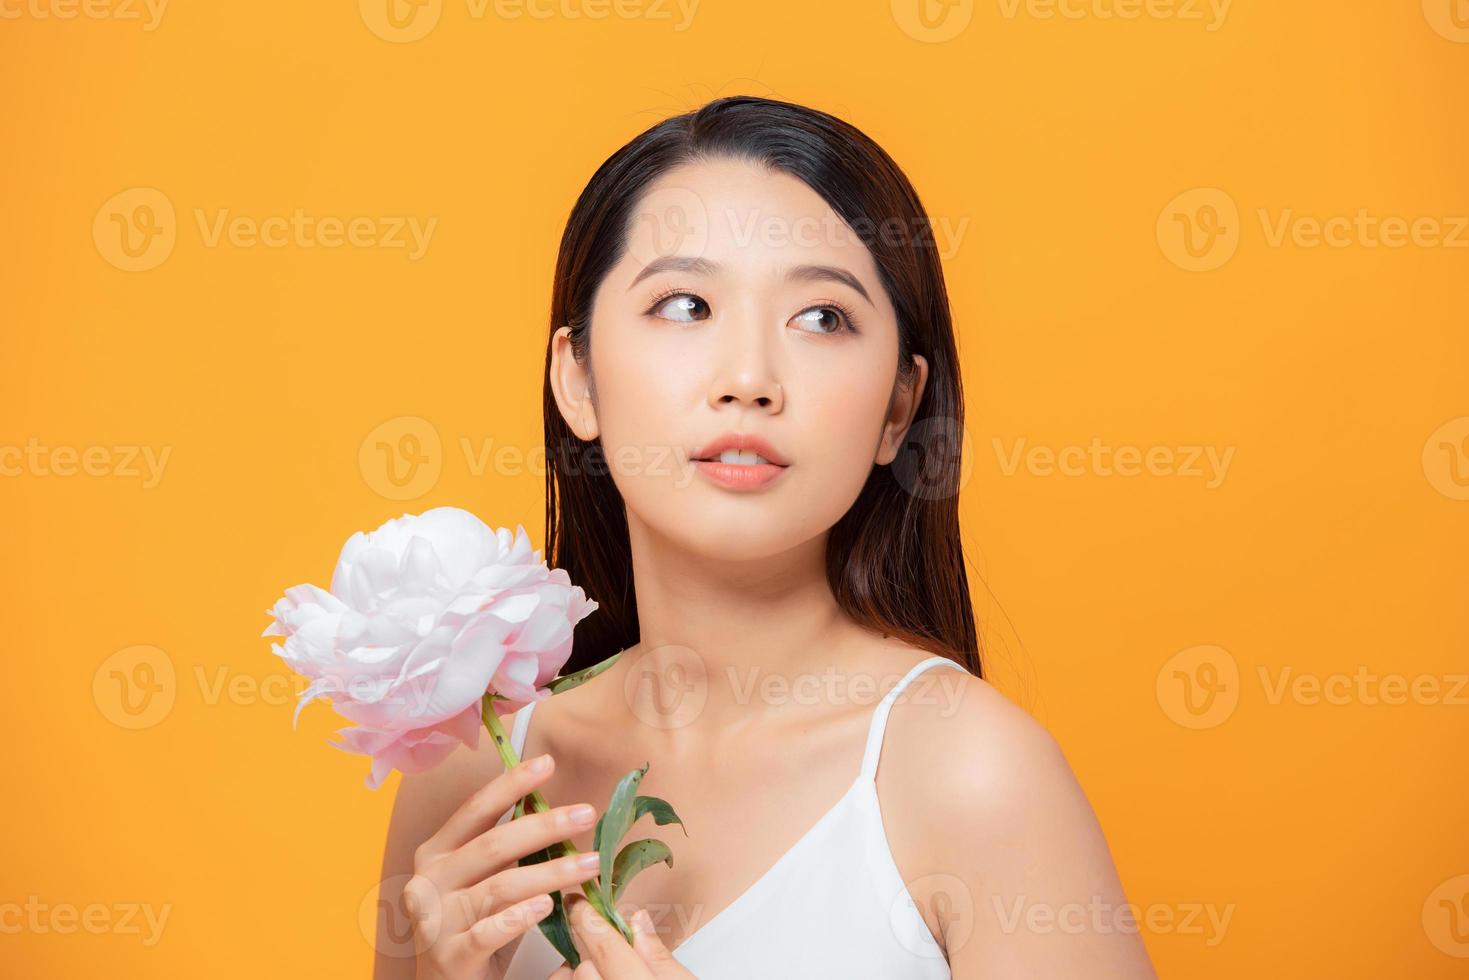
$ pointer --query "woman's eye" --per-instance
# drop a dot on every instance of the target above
(824, 319)
(683, 308)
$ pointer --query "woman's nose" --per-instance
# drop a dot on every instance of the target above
(745, 371)
(763, 394)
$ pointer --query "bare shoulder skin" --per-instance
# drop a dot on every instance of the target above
(996, 840)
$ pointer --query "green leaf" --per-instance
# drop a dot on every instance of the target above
(557, 930)
(585, 674)
(660, 809)
(635, 857)
(614, 823)
(555, 926)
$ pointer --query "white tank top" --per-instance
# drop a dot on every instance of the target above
(816, 913)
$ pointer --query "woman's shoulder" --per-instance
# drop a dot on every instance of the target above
(987, 814)
(957, 734)
(963, 755)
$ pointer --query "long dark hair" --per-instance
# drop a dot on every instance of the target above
(894, 561)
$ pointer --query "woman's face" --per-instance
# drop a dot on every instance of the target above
(742, 305)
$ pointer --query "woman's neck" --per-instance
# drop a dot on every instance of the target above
(727, 636)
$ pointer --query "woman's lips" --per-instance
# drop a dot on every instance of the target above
(739, 476)
(745, 442)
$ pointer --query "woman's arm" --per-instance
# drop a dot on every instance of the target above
(1037, 894)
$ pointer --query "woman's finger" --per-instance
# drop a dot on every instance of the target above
(646, 942)
(485, 806)
(483, 939)
(606, 948)
(504, 845)
(649, 945)
(515, 883)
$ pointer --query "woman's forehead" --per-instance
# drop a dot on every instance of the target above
(740, 217)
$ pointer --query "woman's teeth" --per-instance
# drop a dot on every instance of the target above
(742, 457)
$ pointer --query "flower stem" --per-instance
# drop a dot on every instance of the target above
(538, 804)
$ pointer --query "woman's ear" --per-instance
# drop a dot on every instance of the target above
(904, 406)
(571, 386)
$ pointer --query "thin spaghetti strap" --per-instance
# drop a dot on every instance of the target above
(880, 716)
(518, 726)
(517, 730)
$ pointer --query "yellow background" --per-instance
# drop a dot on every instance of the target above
(1333, 545)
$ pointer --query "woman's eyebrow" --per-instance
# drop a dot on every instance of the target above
(675, 263)
(827, 273)
(706, 267)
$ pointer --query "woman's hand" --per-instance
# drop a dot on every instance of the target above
(468, 899)
(607, 956)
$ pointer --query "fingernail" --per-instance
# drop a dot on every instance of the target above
(539, 764)
(583, 813)
(589, 861)
(643, 922)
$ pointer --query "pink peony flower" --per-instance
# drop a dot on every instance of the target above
(426, 616)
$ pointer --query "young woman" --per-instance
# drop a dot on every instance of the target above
(752, 405)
